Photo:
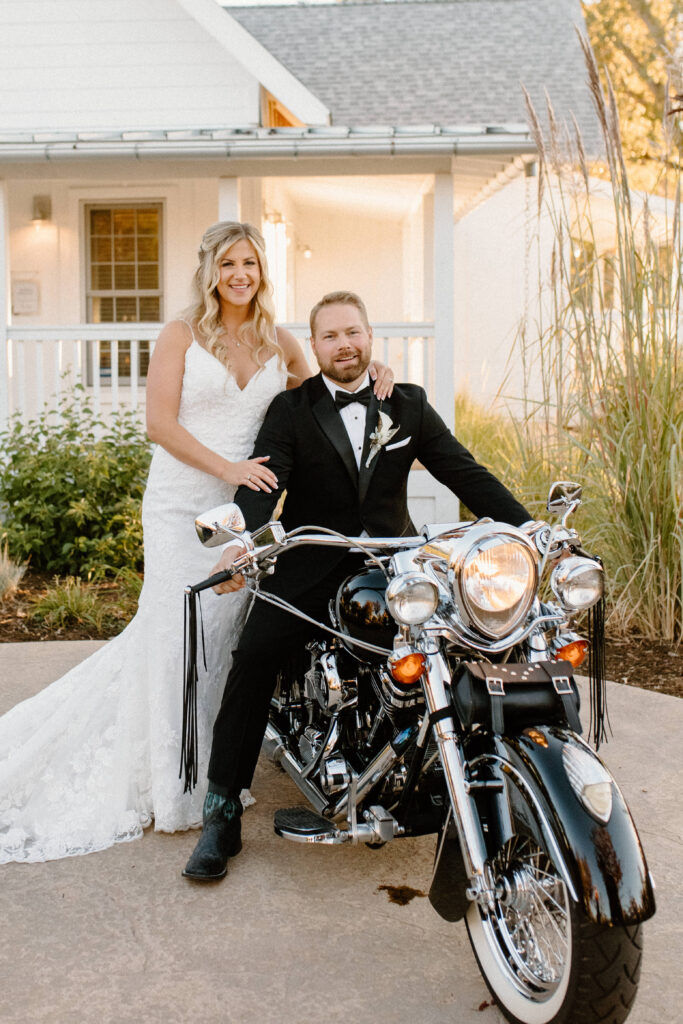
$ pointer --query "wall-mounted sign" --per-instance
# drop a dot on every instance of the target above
(25, 297)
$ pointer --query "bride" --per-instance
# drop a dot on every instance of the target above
(93, 759)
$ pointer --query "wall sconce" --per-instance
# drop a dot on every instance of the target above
(305, 251)
(42, 210)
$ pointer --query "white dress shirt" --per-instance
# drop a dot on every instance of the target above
(353, 415)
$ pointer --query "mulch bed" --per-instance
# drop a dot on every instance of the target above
(631, 659)
(17, 626)
(645, 663)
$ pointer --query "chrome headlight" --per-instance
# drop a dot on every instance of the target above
(412, 598)
(577, 582)
(590, 780)
(494, 579)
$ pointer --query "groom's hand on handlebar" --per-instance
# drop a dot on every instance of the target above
(226, 560)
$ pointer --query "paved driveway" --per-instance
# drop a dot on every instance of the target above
(295, 934)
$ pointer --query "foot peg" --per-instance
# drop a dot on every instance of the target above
(302, 825)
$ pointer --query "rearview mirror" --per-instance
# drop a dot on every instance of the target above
(220, 524)
(563, 494)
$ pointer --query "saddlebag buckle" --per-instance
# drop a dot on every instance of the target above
(495, 687)
(562, 684)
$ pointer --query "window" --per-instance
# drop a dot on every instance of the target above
(275, 237)
(123, 276)
(275, 114)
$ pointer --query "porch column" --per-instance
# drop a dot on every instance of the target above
(251, 201)
(444, 299)
(4, 304)
(228, 199)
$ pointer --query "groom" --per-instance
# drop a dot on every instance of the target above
(319, 440)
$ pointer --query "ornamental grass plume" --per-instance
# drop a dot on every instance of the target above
(10, 573)
(604, 347)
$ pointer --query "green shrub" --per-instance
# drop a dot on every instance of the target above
(71, 486)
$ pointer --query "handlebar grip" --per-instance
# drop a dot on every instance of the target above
(212, 581)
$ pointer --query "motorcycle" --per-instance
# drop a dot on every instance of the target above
(441, 698)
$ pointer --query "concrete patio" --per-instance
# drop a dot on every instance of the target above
(295, 935)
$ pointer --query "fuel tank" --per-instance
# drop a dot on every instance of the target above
(362, 613)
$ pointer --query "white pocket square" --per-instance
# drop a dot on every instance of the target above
(397, 444)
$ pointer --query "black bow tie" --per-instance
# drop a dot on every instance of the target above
(343, 398)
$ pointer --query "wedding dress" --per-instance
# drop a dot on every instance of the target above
(92, 759)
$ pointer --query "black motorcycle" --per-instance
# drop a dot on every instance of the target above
(440, 697)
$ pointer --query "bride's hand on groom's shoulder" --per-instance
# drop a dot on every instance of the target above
(225, 562)
(383, 378)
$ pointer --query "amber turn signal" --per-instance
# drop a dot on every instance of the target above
(575, 652)
(407, 670)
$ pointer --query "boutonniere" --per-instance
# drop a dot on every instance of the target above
(381, 436)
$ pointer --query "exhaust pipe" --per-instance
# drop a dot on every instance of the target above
(275, 748)
(388, 756)
(385, 760)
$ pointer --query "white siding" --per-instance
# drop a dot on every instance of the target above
(113, 64)
(354, 252)
(490, 287)
(53, 254)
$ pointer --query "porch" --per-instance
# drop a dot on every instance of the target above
(91, 273)
(109, 362)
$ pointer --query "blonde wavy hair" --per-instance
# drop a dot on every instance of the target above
(258, 331)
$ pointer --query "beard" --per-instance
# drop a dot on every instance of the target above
(351, 371)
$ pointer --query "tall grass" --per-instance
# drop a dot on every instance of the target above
(606, 352)
(518, 451)
(101, 607)
(10, 573)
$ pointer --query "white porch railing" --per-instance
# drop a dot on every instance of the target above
(110, 360)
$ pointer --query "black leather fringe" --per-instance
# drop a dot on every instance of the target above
(599, 717)
(188, 756)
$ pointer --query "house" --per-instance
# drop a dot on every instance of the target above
(382, 147)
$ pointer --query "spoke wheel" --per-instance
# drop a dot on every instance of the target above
(542, 960)
(528, 931)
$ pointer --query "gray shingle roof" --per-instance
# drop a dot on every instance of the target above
(440, 61)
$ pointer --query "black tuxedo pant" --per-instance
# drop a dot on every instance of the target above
(269, 639)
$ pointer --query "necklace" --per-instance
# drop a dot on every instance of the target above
(229, 339)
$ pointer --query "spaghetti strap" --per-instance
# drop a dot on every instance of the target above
(189, 325)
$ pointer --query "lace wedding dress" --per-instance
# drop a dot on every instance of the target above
(94, 758)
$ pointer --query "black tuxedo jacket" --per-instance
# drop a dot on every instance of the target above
(311, 455)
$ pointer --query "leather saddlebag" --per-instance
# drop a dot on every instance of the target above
(517, 694)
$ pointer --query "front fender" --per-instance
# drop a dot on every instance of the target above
(605, 861)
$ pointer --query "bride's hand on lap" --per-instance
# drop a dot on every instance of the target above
(383, 377)
(251, 473)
